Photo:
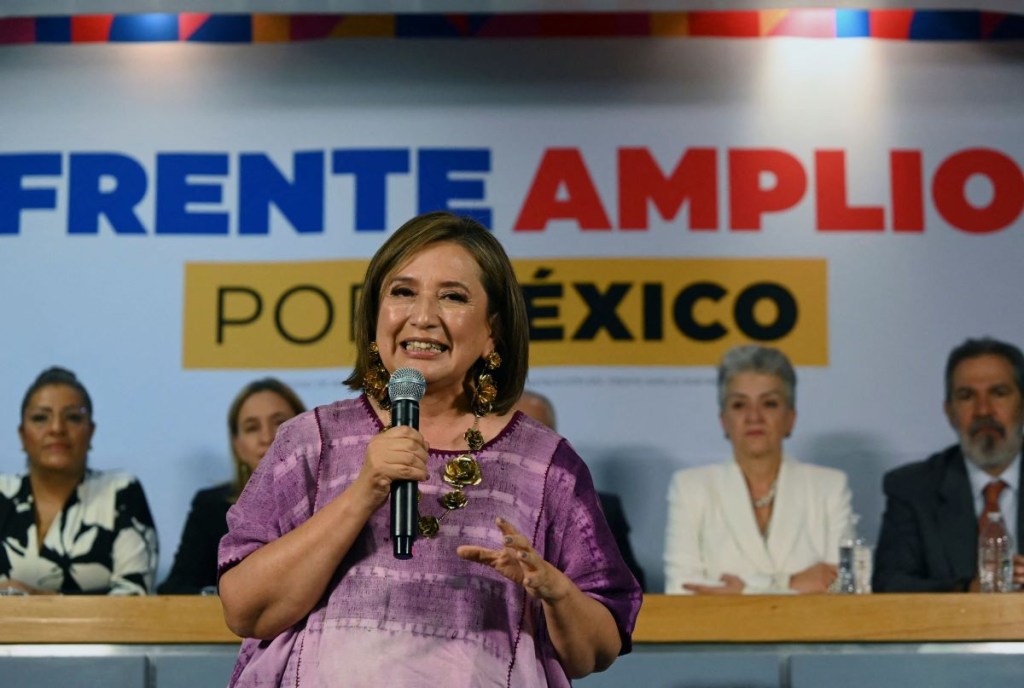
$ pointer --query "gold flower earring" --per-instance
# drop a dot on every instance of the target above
(375, 381)
(486, 391)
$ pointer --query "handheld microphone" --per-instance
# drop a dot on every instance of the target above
(406, 387)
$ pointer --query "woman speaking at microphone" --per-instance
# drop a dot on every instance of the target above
(515, 579)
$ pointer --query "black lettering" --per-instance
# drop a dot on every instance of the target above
(329, 320)
(682, 311)
(654, 329)
(534, 311)
(602, 311)
(785, 306)
(222, 321)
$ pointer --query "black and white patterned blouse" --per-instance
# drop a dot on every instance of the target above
(102, 542)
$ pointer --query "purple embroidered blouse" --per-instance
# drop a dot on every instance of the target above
(433, 620)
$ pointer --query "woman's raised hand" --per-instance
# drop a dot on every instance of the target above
(398, 453)
(521, 564)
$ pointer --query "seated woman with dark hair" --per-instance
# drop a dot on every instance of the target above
(253, 418)
(64, 527)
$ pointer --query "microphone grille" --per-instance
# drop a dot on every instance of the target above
(407, 383)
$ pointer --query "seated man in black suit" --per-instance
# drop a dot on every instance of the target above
(539, 407)
(929, 535)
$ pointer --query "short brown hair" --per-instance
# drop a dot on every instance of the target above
(506, 307)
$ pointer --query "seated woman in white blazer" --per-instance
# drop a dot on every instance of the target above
(762, 522)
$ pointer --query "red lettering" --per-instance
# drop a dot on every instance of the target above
(766, 180)
(907, 186)
(748, 200)
(695, 179)
(949, 190)
(834, 212)
(562, 168)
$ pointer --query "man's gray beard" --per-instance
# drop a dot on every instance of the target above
(986, 452)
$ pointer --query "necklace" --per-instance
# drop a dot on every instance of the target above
(768, 498)
(459, 472)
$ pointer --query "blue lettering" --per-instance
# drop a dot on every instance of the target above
(187, 189)
(371, 168)
(14, 197)
(175, 193)
(87, 200)
(261, 184)
(437, 188)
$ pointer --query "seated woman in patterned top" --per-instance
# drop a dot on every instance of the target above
(65, 528)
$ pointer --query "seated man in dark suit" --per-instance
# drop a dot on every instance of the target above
(539, 407)
(929, 535)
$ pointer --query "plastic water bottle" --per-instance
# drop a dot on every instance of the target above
(847, 578)
(995, 555)
(862, 567)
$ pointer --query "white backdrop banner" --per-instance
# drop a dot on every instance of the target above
(177, 219)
